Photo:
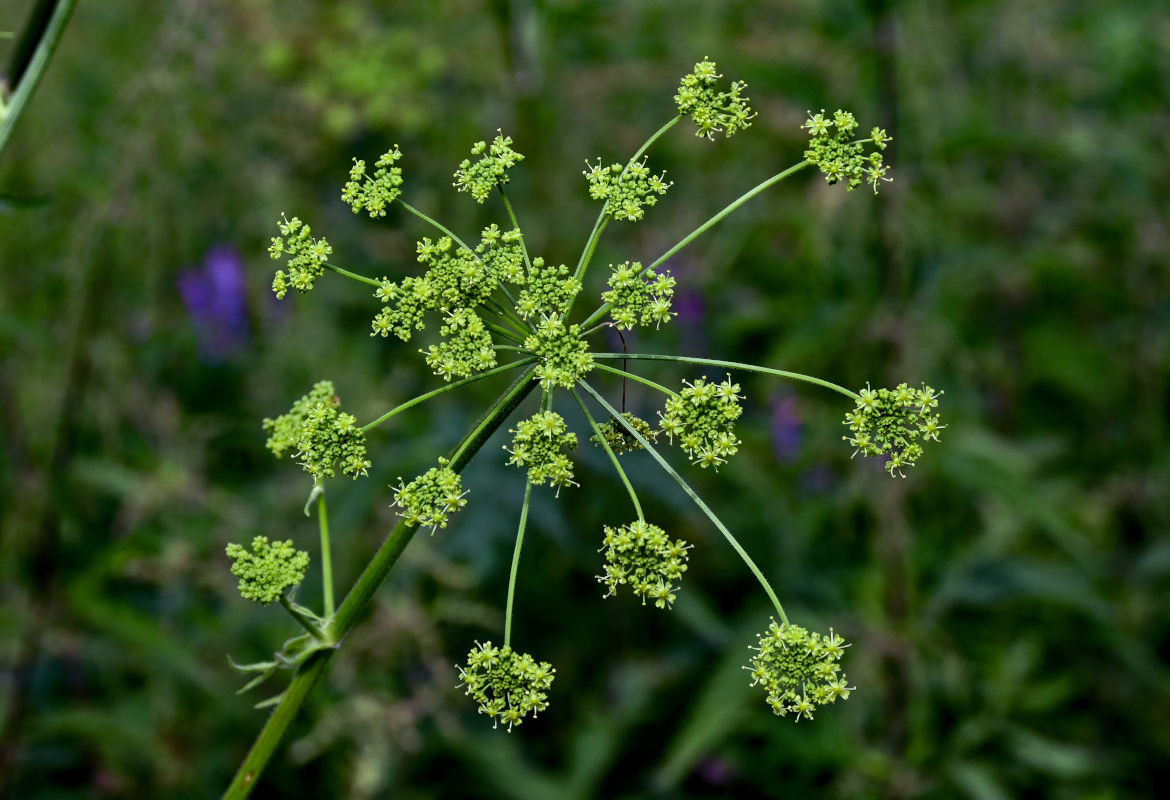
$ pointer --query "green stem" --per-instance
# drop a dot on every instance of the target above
(695, 497)
(326, 555)
(355, 603)
(516, 564)
(780, 373)
(26, 83)
(699, 231)
(353, 275)
(424, 397)
(516, 225)
(609, 452)
(507, 333)
(603, 218)
(633, 377)
(509, 347)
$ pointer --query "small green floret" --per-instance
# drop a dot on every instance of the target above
(507, 685)
(891, 422)
(713, 111)
(643, 557)
(320, 435)
(466, 347)
(547, 290)
(799, 670)
(491, 170)
(703, 416)
(430, 498)
(564, 355)
(832, 147)
(502, 253)
(541, 443)
(305, 255)
(638, 299)
(621, 440)
(375, 194)
(456, 276)
(628, 194)
(268, 570)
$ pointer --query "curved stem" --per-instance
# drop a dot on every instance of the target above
(13, 108)
(507, 333)
(516, 225)
(633, 377)
(612, 455)
(699, 231)
(349, 274)
(602, 216)
(354, 605)
(326, 555)
(516, 564)
(511, 348)
(424, 397)
(751, 565)
(780, 373)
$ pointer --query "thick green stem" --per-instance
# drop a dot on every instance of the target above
(612, 455)
(516, 564)
(603, 217)
(699, 231)
(638, 378)
(751, 565)
(780, 373)
(326, 556)
(26, 83)
(358, 599)
(352, 275)
(424, 397)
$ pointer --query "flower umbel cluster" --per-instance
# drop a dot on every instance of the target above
(490, 171)
(507, 685)
(639, 299)
(374, 195)
(541, 443)
(619, 439)
(626, 192)
(267, 570)
(643, 557)
(799, 670)
(890, 422)
(305, 255)
(547, 290)
(713, 111)
(320, 435)
(834, 151)
(564, 355)
(466, 347)
(431, 497)
(703, 416)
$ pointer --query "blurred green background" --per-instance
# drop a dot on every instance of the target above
(1008, 603)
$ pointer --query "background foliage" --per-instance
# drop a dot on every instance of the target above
(1007, 603)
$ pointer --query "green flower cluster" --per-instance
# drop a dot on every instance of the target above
(320, 434)
(547, 290)
(619, 439)
(835, 153)
(703, 416)
(269, 569)
(502, 253)
(642, 556)
(305, 254)
(889, 422)
(374, 195)
(507, 685)
(490, 171)
(431, 497)
(564, 355)
(466, 347)
(541, 443)
(638, 299)
(799, 670)
(713, 111)
(626, 193)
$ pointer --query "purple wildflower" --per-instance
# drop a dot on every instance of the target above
(216, 298)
